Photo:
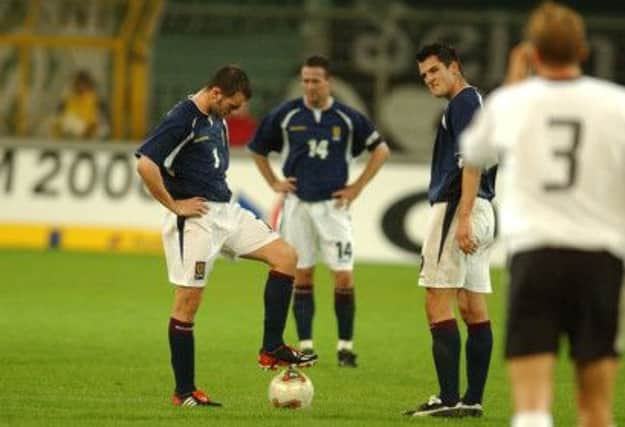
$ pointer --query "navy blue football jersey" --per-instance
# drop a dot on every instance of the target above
(317, 145)
(446, 169)
(192, 152)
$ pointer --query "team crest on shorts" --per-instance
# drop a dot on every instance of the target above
(200, 270)
(336, 133)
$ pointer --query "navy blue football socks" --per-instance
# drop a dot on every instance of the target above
(182, 349)
(277, 299)
(446, 352)
(344, 308)
(479, 347)
(304, 310)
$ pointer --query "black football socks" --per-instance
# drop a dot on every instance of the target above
(446, 352)
(304, 310)
(344, 308)
(479, 347)
(182, 350)
(278, 290)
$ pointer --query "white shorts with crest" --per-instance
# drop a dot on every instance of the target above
(318, 228)
(192, 244)
(445, 265)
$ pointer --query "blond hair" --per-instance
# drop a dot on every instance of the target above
(558, 33)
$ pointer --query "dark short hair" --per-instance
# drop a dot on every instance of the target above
(318, 61)
(445, 53)
(231, 79)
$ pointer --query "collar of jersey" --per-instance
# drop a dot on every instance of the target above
(326, 108)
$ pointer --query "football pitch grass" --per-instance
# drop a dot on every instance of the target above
(83, 342)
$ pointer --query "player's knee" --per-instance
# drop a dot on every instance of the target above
(472, 314)
(465, 311)
(184, 314)
(304, 276)
(437, 305)
(343, 279)
(435, 312)
(291, 256)
(186, 304)
(284, 258)
(472, 308)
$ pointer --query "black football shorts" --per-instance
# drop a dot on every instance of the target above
(557, 292)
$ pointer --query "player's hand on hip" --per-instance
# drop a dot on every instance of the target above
(285, 186)
(345, 196)
(195, 206)
(464, 236)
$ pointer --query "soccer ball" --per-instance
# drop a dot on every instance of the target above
(291, 389)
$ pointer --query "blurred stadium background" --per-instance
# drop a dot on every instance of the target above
(144, 54)
(141, 56)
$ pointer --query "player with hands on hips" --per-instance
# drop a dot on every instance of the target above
(183, 163)
(318, 137)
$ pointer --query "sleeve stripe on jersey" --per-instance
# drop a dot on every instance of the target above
(169, 160)
(224, 132)
(350, 126)
(374, 137)
(285, 134)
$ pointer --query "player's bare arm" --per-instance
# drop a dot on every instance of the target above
(151, 176)
(278, 185)
(464, 231)
(519, 65)
(347, 194)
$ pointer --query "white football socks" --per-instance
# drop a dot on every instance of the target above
(344, 345)
(304, 344)
(532, 419)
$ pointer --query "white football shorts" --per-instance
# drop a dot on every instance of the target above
(318, 227)
(451, 268)
(192, 244)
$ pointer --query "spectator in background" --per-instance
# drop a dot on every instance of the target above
(241, 126)
(80, 114)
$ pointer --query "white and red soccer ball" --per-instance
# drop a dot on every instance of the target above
(291, 389)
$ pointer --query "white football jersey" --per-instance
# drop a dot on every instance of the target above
(560, 146)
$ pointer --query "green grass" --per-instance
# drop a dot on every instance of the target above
(83, 342)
